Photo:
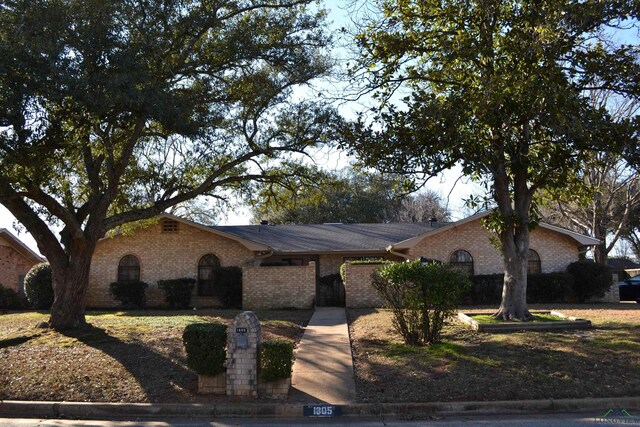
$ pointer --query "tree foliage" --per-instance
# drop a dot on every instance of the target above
(501, 88)
(115, 111)
(346, 196)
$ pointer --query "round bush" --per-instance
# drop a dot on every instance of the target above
(205, 345)
(38, 286)
(276, 360)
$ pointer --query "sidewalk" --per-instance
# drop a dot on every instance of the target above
(323, 369)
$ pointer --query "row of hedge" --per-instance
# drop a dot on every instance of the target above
(205, 345)
(583, 280)
(178, 292)
(38, 288)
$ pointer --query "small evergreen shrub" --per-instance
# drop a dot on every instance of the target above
(38, 286)
(275, 360)
(589, 279)
(178, 292)
(205, 345)
(129, 294)
(228, 282)
(549, 288)
(486, 289)
(420, 296)
(9, 299)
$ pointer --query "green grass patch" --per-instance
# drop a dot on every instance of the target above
(488, 318)
(617, 344)
(442, 351)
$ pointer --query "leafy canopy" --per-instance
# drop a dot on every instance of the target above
(347, 196)
(115, 111)
(497, 86)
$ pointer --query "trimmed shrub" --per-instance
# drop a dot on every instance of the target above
(589, 279)
(9, 299)
(228, 281)
(486, 289)
(275, 360)
(38, 286)
(129, 294)
(205, 345)
(420, 296)
(549, 287)
(178, 292)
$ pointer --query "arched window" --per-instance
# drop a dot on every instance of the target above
(463, 261)
(534, 266)
(129, 269)
(207, 267)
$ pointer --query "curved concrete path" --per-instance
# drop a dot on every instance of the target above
(323, 367)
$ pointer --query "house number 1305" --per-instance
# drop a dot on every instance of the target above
(321, 411)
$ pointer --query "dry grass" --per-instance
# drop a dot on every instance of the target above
(602, 362)
(126, 356)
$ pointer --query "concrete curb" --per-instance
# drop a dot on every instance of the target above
(88, 410)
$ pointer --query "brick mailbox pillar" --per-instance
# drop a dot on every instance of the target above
(244, 337)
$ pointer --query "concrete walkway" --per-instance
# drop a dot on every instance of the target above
(323, 369)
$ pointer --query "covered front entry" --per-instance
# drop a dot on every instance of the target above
(330, 291)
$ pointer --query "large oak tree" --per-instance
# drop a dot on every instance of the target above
(500, 87)
(114, 111)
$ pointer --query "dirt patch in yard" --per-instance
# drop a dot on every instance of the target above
(601, 362)
(126, 356)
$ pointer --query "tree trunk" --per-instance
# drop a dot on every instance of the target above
(514, 290)
(600, 251)
(70, 284)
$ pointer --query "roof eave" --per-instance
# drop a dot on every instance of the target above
(20, 247)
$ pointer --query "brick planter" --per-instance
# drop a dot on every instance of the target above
(212, 384)
(278, 389)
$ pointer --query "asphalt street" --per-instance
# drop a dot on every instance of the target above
(537, 420)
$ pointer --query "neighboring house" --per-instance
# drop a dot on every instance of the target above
(175, 247)
(16, 259)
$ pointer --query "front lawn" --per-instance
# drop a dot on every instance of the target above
(134, 356)
(601, 362)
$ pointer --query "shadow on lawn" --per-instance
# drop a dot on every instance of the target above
(11, 342)
(158, 375)
(493, 370)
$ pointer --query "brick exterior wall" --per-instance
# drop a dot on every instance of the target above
(330, 264)
(556, 250)
(12, 265)
(358, 289)
(278, 287)
(162, 256)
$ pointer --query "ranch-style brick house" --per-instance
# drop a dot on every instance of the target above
(295, 257)
(16, 259)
